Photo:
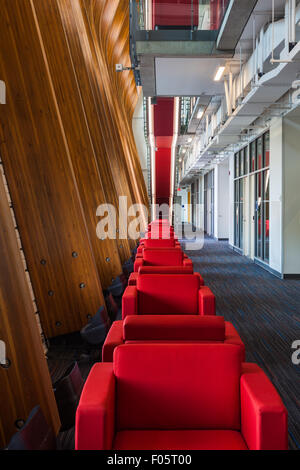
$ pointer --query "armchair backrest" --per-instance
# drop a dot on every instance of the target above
(163, 257)
(159, 243)
(160, 222)
(173, 328)
(168, 294)
(172, 387)
(161, 233)
(166, 270)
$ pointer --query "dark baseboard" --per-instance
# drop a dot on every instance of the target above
(220, 239)
(291, 276)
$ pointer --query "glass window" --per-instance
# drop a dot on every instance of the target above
(241, 163)
(236, 166)
(259, 161)
(266, 215)
(262, 211)
(252, 156)
(267, 149)
(246, 160)
(258, 211)
(241, 214)
(267, 185)
(236, 191)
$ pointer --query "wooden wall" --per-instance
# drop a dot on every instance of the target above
(67, 146)
(26, 382)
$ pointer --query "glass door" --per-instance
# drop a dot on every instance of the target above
(209, 199)
(239, 213)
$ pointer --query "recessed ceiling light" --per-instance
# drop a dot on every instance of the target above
(219, 74)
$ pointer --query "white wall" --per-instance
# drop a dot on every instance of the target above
(276, 188)
(139, 135)
(291, 175)
(222, 201)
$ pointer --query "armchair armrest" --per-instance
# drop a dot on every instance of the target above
(264, 417)
(129, 302)
(187, 262)
(133, 279)
(113, 339)
(232, 337)
(138, 263)
(207, 301)
(95, 414)
(201, 280)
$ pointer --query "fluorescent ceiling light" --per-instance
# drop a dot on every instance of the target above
(219, 74)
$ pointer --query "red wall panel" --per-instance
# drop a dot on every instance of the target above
(175, 12)
(163, 117)
(163, 175)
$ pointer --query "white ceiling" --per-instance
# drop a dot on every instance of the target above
(261, 15)
(187, 76)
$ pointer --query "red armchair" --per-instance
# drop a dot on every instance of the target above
(162, 257)
(162, 294)
(170, 328)
(179, 397)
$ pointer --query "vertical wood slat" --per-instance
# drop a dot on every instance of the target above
(26, 383)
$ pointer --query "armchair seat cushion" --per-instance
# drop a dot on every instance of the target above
(179, 440)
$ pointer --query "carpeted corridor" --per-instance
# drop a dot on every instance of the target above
(265, 311)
